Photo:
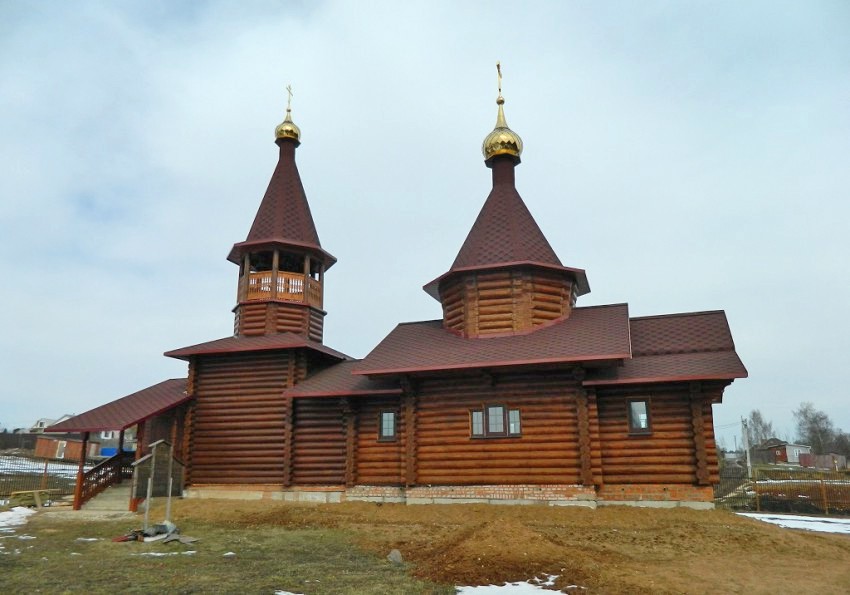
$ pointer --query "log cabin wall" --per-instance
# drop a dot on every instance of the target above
(666, 455)
(379, 462)
(269, 317)
(319, 441)
(546, 452)
(238, 416)
(505, 301)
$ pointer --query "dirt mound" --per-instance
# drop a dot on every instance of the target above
(494, 551)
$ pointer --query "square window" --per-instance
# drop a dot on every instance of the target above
(477, 423)
(387, 425)
(639, 416)
(514, 426)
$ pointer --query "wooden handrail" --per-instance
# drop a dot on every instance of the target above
(101, 476)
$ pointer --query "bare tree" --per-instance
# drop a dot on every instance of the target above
(759, 429)
(814, 428)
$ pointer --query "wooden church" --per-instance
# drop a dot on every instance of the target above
(516, 395)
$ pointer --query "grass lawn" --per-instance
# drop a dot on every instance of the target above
(267, 559)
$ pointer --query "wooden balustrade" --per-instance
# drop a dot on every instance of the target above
(103, 475)
(289, 287)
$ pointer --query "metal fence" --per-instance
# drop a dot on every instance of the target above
(781, 488)
(29, 473)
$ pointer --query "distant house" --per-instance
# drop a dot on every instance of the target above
(44, 422)
(65, 446)
(774, 451)
(110, 440)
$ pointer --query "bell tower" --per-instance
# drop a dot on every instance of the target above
(281, 263)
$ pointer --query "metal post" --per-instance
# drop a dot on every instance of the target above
(170, 479)
(746, 438)
(150, 484)
(44, 476)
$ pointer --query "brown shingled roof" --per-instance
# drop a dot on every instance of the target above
(676, 347)
(504, 231)
(258, 343)
(128, 411)
(505, 234)
(284, 215)
(589, 334)
(338, 381)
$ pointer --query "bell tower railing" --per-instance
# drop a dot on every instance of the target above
(281, 285)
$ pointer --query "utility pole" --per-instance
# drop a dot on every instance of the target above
(745, 436)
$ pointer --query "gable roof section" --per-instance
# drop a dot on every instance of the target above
(258, 343)
(338, 381)
(676, 347)
(128, 411)
(589, 334)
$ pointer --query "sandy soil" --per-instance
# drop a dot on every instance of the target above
(610, 550)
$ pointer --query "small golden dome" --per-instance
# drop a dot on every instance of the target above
(503, 140)
(288, 129)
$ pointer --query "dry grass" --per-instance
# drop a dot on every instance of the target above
(286, 546)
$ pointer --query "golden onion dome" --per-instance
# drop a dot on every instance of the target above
(503, 140)
(287, 128)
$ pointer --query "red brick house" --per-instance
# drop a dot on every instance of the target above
(516, 394)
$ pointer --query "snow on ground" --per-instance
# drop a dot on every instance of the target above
(14, 517)
(532, 587)
(809, 523)
(14, 465)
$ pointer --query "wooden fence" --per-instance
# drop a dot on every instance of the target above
(778, 488)
(29, 473)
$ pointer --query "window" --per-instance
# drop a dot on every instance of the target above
(477, 423)
(107, 435)
(387, 425)
(493, 421)
(639, 416)
(514, 428)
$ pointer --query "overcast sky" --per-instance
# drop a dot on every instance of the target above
(690, 156)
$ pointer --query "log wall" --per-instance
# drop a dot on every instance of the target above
(547, 452)
(319, 442)
(379, 462)
(667, 455)
(510, 300)
(269, 317)
(239, 415)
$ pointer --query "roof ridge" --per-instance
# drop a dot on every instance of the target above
(677, 314)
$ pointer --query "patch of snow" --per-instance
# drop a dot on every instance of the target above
(533, 587)
(286, 593)
(161, 554)
(26, 536)
(809, 523)
(14, 517)
(87, 539)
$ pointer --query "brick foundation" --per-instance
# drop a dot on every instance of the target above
(657, 495)
(649, 495)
